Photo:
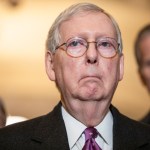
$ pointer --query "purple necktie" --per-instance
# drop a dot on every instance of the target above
(90, 143)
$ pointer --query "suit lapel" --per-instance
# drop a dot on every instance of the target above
(126, 133)
(121, 134)
(51, 132)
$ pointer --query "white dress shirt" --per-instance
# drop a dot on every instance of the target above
(76, 137)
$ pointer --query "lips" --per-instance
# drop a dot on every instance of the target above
(90, 77)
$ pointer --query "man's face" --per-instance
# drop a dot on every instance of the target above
(145, 57)
(89, 77)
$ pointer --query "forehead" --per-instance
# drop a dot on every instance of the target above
(88, 25)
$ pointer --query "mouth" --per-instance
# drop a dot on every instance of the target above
(91, 78)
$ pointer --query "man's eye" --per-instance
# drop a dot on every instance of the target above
(105, 44)
(74, 44)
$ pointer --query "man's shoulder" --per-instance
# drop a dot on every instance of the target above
(126, 125)
(30, 134)
(146, 118)
(129, 133)
(123, 120)
(15, 135)
(21, 127)
(28, 126)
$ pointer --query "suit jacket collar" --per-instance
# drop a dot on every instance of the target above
(127, 133)
(50, 133)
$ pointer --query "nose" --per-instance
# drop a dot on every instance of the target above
(92, 54)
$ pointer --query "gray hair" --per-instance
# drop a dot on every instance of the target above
(54, 37)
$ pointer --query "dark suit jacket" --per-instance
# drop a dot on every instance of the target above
(48, 133)
(146, 118)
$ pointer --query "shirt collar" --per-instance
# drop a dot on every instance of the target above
(105, 128)
(75, 128)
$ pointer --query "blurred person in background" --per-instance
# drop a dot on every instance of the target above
(84, 57)
(7, 119)
(3, 114)
(142, 54)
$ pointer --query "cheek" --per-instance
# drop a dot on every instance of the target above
(72, 71)
(66, 69)
(113, 70)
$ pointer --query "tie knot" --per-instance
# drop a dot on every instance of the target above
(90, 133)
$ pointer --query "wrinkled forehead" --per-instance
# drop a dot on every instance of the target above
(92, 21)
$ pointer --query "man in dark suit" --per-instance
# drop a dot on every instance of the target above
(84, 57)
(142, 54)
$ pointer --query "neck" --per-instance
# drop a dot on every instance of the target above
(90, 113)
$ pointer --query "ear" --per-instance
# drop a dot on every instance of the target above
(49, 65)
(121, 67)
